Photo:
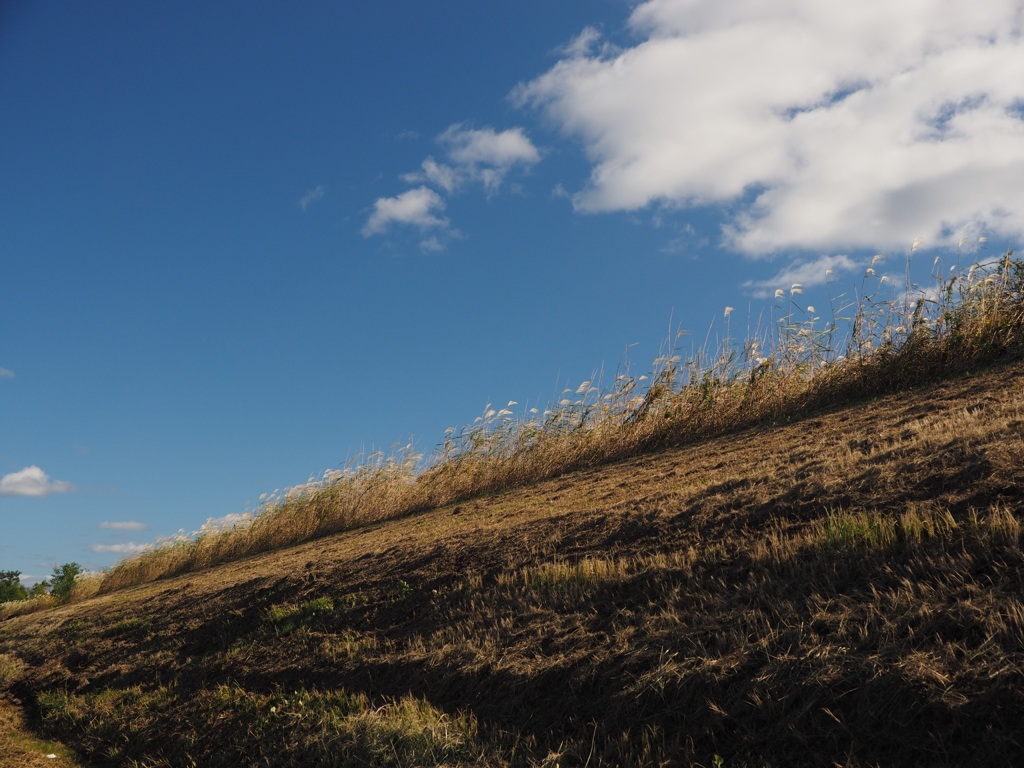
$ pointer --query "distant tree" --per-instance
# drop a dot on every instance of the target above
(39, 588)
(63, 579)
(11, 587)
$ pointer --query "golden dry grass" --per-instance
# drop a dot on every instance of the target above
(967, 320)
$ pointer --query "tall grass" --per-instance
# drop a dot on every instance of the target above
(883, 338)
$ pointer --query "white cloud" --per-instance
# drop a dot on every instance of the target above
(32, 481)
(809, 273)
(415, 207)
(476, 156)
(822, 125)
(432, 245)
(124, 525)
(317, 193)
(472, 156)
(588, 43)
(470, 148)
(6, 374)
(440, 175)
(129, 548)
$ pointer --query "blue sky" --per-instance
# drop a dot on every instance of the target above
(242, 243)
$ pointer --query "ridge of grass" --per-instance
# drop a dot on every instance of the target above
(876, 345)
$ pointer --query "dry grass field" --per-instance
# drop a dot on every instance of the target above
(847, 588)
(801, 558)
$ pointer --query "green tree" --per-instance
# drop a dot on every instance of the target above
(39, 589)
(63, 579)
(10, 586)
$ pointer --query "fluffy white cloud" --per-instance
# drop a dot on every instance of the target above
(32, 481)
(124, 525)
(823, 125)
(487, 155)
(807, 272)
(471, 156)
(416, 207)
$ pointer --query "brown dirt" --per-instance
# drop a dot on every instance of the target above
(725, 619)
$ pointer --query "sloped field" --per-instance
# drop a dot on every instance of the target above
(843, 589)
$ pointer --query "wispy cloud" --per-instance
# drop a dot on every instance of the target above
(471, 156)
(124, 525)
(589, 42)
(128, 548)
(809, 273)
(824, 125)
(432, 245)
(32, 481)
(6, 373)
(317, 193)
(438, 174)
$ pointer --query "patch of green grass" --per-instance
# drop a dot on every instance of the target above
(74, 631)
(917, 524)
(842, 530)
(130, 627)
(402, 590)
(289, 618)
